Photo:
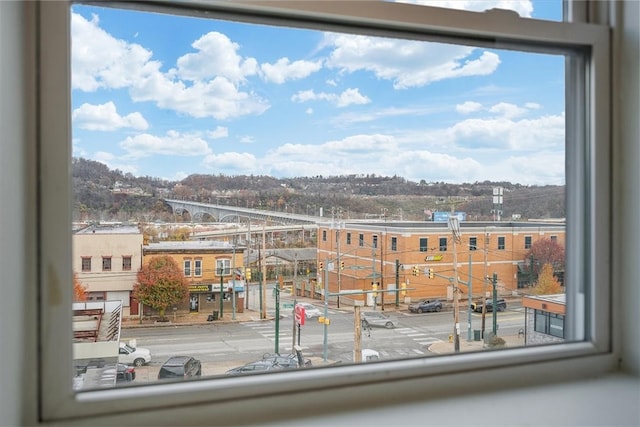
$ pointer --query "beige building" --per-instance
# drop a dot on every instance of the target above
(426, 257)
(214, 271)
(106, 259)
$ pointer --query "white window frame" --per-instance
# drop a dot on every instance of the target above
(588, 229)
(223, 267)
(197, 267)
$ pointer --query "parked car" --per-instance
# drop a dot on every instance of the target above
(289, 361)
(310, 310)
(377, 318)
(426, 306)
(180, 367)
(501, 305)
(136, 356)
(254, 368)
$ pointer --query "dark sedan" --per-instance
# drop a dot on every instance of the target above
(426, 306)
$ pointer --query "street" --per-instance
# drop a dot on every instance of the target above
(222, 346)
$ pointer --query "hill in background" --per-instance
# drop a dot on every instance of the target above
(101, 194)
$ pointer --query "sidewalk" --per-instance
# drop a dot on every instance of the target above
(445, 347)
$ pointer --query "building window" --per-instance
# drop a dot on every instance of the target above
(86, 264)
(527, 242)
(126, 263)
(394, 243)
(223, 267)
(549, 323)
(324, 235)
(361, 240)
(424, 244)
(566, 39)
(554, 238)
(348, 238)
(96, 296)
(501, 246)
(187, 267)
(374, 242)
(443, 244)
(197, 266)
(106, 263)
(473, 243)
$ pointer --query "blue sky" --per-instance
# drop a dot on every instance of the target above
(165, 96)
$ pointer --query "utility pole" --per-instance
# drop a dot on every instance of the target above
(357, 339)
(456, 308)
(373, 275)
(484, 284)
(469, 296)
(326, 310)
(295, 288)
(495, 304)
(397, 283)
(454, 225)
(339, 264)
(263, 275)
(246, 265)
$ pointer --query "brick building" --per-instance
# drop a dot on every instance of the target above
(354, 255)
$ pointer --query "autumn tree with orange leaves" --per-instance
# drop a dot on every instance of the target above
(161, 284)
(79, 290)
(545, 251)
(547, 284)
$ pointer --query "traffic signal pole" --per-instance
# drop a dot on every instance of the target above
(325, 342)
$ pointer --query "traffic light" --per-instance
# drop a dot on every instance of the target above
(403, 289)
(341, 265)
(247, 274)
(374, 288)
(416, 271)
(431, 275)
(321, 265)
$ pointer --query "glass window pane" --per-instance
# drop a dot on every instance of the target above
(228, 136)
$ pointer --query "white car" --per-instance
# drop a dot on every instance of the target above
(136, 356)
(310, 310)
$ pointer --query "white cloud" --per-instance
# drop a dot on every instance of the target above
(218, 98)
(218, 132)
(348, 97)
(104, 117)
(530, 135)
(284, 70)
(407, 63)
(508, 110)
(101, 61)
(216, 57)
(468, 107)
(172, 144)
(236, 163)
